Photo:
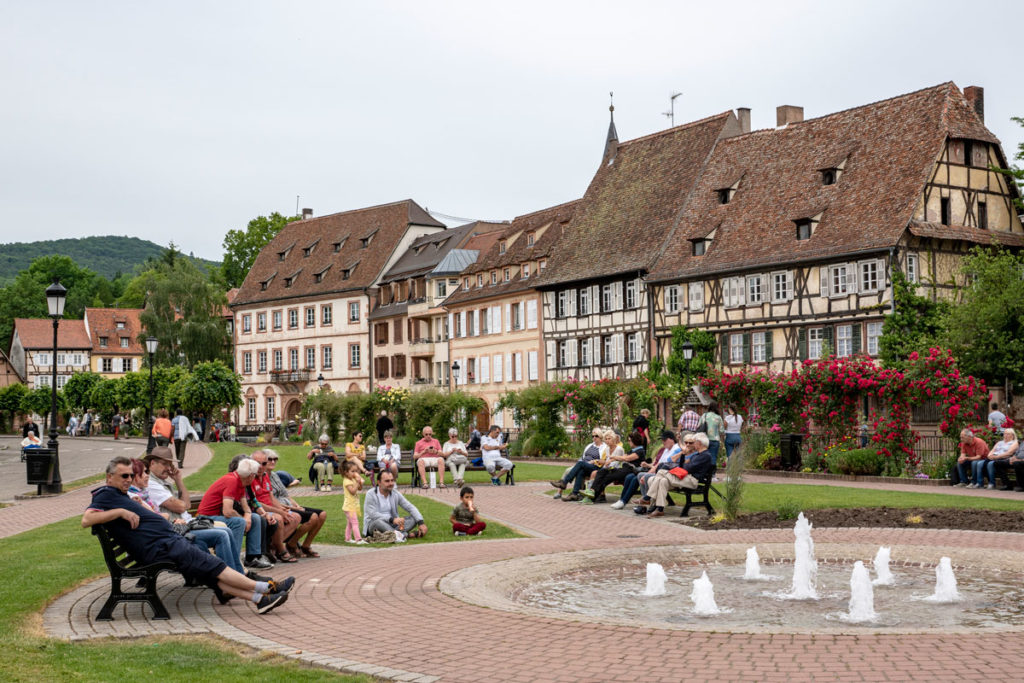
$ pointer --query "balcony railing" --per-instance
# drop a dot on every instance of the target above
(289, 376)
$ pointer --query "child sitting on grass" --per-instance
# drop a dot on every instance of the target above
(353, 483)
(465, 519)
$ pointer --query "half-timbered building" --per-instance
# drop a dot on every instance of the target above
(596, 308)
(787, 246)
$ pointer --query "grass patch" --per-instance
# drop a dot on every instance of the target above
(435, 514)
(71, 555)
(293, 460)
(765, 497)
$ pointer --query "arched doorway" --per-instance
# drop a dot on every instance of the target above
(291, 411)
(354, 388)
(482, 419)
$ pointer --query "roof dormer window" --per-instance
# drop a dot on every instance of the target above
(465, 282)
(531, 239)
(494, 277)
(829, 176)
(724, 195)
(319, 277)
(700, 247)
(365, 242)
(502, 246)
(266, 283)
(507, 274)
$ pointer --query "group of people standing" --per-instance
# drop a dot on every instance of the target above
(719, 429)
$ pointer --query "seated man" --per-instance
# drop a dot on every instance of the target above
(618, 467)
(697, 467)
(427, 453)
(973, 454)
(583, 468)
(312, 518)
(149, 538)
(168, 493)
(285, 522)
(491, 447)
(219, 503)
(671, 455)
(380, 511)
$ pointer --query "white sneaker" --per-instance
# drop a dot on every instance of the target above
(361, 541)
(460, 533)
(972, 485)
(991, 486)
(618, 505)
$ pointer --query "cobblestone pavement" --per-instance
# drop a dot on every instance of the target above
(380, 611)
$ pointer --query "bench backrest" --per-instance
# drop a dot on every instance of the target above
(115, 555)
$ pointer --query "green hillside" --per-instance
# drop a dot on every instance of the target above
(106, 255)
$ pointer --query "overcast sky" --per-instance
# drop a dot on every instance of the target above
(181, 120)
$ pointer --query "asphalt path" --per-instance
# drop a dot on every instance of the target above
(80, 457)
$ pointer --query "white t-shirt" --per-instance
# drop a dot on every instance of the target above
(733, 423)
(393, 455)
(448, 448)
(159, 493)
(489, 447)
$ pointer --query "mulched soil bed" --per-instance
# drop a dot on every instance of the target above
(942, 518)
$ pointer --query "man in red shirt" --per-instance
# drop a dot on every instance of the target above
(972, 449)
(427, 453)
(219, 503)
(284, 521)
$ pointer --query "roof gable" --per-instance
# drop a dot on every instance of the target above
(37, 333)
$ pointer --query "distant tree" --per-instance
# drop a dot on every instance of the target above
(1017, 172)
(40, 400)
(25, 297)
(703, 353)
(133, 390)
(78, 389)
(184, 311)
(241, 247)
(11, 398)
(985, 329)
(211, 386)
(103, 398)
(914, 325)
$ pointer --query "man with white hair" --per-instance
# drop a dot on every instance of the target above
(219, 503)
(693, 470)
(150, 538)
(491, 448)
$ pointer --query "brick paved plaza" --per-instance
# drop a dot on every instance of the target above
(337, 613)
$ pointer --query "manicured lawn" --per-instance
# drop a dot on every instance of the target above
(293, 460)
(40, 564)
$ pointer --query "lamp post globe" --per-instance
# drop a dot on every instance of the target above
(152, 343)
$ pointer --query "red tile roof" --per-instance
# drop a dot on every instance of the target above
(965, 234)
(102, 322)
(285, 259)
(890, 148)
(633, 202)
(37, 333)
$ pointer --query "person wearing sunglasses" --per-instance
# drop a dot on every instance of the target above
(584, 467)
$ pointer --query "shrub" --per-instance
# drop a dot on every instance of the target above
(734, 483)
(860, 461)
(788, 509)
(769, 459)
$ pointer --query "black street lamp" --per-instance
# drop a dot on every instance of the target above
(687, 356)
(455, 376)
(56, 295)
(151, 346)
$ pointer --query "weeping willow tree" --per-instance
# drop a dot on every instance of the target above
(184, 311)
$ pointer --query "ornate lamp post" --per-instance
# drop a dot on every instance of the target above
(56, 295)
(455, 376)
(151, 346)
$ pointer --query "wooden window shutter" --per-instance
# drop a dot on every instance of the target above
(855, 334)
(852, 275)
(508, 318)
(595, 350)
(768, 357)
(801, 342)
(828, 338)
(572, 296)
(823, 271)
(746, 347)
(723, 347)
(552, 355)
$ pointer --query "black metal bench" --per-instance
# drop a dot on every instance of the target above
(407, 465)
(703, 491)
(123, 566)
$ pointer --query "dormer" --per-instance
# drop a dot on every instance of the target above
(502, 246)
(365, 241)
(830, 171)
(308, 250)
(283, 254)
(319, 277)
(531, 238)
(340, 244)
(288, 281)
(805, 227)
(266, 283)
(701, 245)
(724, 195)
(347, 272)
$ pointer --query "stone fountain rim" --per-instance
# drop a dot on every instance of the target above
(493, 584)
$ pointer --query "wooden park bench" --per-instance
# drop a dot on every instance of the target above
(123, 566)
(408, 466)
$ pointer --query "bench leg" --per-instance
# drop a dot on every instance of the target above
(159, 611)
(707, 503)
(107, 611)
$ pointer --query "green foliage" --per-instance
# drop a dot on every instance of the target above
(703, 353)
(442, 411)
(539, 410)
(103, 398)
(915, 324)
(770, 458)
(789, 509)
(985, 330)
(78, 389)
(11, 398)
(25, 297)
(859, 461)
(133, 390)
(241, 247)
(185, 312)
(325, 412)
(734, 482)
(40, 401)
(209, 387)
(1016, 172)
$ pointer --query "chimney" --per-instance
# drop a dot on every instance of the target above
(743, 115)
(975, 95)
(787, 114)
(307, 213)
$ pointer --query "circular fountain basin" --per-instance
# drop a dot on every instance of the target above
(606, 586)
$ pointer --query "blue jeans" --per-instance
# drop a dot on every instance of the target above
(222, 543)
(237, 528)
(580, 471)
(731, 442)
(713, 447)
(286, 478)
(629, 487)
(980, 468)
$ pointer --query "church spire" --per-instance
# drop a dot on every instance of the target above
(611, 143)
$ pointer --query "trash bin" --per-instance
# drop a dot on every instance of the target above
(789, 447)
(39, 465)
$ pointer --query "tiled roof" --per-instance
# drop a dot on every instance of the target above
(965, 234)
(429, 250)
(633, 202)
(37, 333)
(286, 255)
(102, 322)
(552, 221)
(455, 261)
(889, 148)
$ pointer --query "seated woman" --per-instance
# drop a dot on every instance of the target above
(999, 455)
(457, 456)
(325, 461)
(618, 465)
(389, 455)
(355, 451)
